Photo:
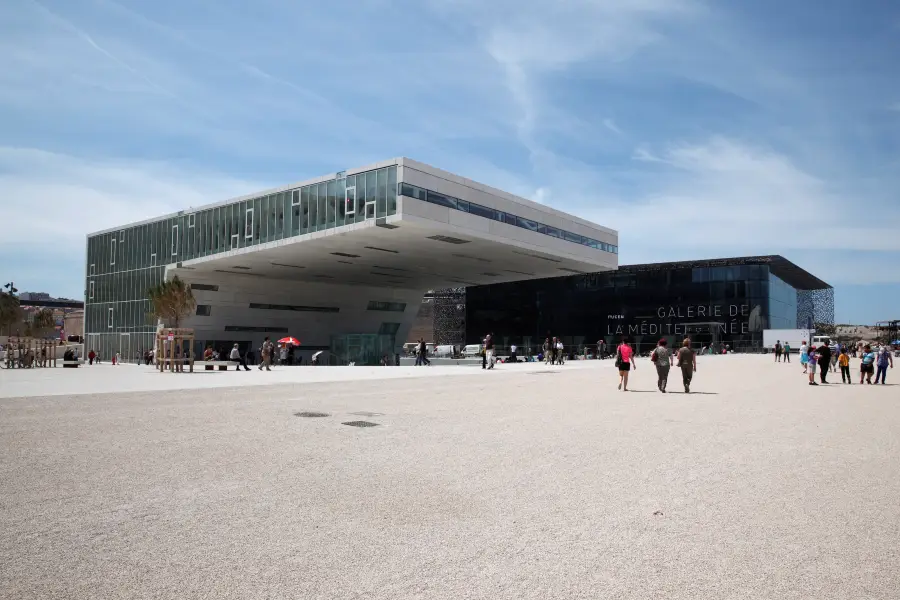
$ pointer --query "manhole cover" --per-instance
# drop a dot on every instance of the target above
(311, 414)
(360, 424)
(367, 414)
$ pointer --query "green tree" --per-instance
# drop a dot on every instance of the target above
(10, 310)
(41, 324)
(171, 301)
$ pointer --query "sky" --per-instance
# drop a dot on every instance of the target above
(697, 129)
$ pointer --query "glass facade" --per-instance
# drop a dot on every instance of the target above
(122, 265)
(417, 193)
(717, 304)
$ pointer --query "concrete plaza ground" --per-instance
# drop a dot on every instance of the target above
(524, 482)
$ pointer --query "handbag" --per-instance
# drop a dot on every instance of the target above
(618, 358)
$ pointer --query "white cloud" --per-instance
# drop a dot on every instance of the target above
(723, 197)
(61, 198)
(611, 125)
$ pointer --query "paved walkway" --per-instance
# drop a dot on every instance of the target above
(530, 482)
(106, 378)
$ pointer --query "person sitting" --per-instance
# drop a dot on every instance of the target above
(208, 353)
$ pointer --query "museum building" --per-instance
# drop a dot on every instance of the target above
(340, 262)
(722, 301)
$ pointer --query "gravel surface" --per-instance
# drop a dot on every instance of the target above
(525, 482)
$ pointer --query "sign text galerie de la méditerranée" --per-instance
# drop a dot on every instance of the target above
(737, 323)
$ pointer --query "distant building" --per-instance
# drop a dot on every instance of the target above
(34, 296)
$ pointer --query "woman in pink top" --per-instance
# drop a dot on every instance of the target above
(625, 362)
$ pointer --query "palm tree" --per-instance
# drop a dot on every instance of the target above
(171, 301)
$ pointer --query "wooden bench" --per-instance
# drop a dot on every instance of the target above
(210, 365)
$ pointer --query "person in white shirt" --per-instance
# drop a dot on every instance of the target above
(560, 355)
(512, 353)
(236, 356)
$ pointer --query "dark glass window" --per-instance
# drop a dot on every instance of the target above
(327, 309)
(412, 191)
(572, 237)
(483, 211)
(527, 224)
(441, 199)
(387, 306)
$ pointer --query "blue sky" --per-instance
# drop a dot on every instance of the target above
(697, 129)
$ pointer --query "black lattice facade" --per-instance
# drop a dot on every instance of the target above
(449, 314)
(815, 308)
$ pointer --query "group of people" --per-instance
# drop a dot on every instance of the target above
(553, 351)
(782, 351)
(663, 359)
(827, 358)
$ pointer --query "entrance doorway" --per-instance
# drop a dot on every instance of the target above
(703, 335)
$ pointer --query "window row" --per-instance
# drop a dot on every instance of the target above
(412, 191)
(118, 317)
(124, 286)
(268, 218)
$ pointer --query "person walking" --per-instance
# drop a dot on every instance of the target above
(489, 350)
(265, 353)
(512, 353)
(546, 349)
(91, 356)
(787, 352)
(560, 352)
(867, 365)
(844, 362)
(882, 362)
(236, 357)
(811, 366)
(824, 354)
(625, 363)
(662, 358)
(804, 356)
(687, 360)
(778, 351)
(423, 352)
(834, 350)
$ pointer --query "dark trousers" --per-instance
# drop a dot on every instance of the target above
(241, 363)
(778, 356)
(687, 373)
(845, 374)
(881, 373)
(662, 373)
(823, 370)
(787, 357)
(484, 360)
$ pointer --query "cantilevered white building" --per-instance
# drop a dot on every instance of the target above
(340, 262)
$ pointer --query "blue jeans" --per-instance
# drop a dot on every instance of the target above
(881, 373)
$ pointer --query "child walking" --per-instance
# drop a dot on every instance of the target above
(844, 362)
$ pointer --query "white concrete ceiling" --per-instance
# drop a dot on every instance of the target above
(401, 257)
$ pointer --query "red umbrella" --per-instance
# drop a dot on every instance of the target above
(289, 340)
